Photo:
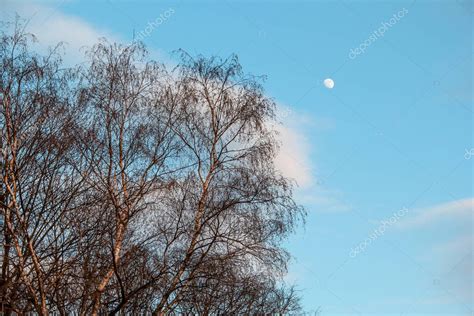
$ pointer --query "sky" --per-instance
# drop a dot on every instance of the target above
(383, 161)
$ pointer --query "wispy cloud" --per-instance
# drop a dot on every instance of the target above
(450, 255)
(52, 26)
(459, 209)
(323, 200)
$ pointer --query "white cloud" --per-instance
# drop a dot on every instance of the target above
(460, 209)
(293, 158)
(51, 26)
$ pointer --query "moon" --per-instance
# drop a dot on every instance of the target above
(329, 83)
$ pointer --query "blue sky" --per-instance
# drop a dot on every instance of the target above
(383, 160)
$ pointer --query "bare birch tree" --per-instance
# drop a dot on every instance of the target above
(130, 187)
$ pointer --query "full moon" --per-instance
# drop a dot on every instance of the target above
(329, 83)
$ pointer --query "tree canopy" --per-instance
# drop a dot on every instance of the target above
(132, 187)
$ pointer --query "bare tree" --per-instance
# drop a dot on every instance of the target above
(235, 206)
(38, 186)
(131, 188)
(128, 144)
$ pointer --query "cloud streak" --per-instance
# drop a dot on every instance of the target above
(455, 210)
